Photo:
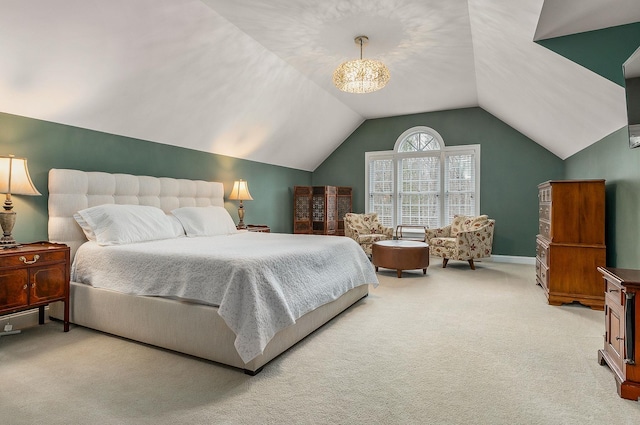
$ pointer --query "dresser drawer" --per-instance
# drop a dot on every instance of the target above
(544, 211)
(544, 194)
(542, 252)
(544, 229)
(614, 293)
(542, 273)
(37, 258)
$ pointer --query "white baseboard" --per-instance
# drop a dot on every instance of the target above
(23, 319)
(512, 259)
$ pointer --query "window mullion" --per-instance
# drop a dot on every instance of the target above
(397, 194)
(443, 189)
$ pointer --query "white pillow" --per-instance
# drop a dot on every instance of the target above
(112, 224)
(178, 230)
(88, 231)
(205, 221)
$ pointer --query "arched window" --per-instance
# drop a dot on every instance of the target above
(419, 139)
(423, 182)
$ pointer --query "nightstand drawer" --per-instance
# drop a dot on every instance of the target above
(31, 258)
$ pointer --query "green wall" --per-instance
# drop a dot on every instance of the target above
(611, 159)
(603, 52)
(512, 166)
(47, 145)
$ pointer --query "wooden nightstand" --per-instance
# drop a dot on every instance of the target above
(262, 228)
(34, 275)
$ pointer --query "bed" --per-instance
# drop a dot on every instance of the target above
(213, 328)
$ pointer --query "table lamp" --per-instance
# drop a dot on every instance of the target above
(240, 192)
(14, 179)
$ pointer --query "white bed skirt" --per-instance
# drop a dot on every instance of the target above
(187, 328)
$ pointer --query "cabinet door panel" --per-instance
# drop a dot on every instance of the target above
(47, 283)
(13, 289)
(614, 345)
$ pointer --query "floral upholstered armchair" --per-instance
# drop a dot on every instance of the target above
(466, 238)
(366, 229)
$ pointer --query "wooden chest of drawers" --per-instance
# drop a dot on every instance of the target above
(622, 321)
(570, 242)
(34, 275)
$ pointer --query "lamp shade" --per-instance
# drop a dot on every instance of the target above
(240, 191)
(14, 176)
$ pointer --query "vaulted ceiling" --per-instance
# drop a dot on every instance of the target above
(252, 78)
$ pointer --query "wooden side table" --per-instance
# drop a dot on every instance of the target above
(34, 275)
(261, 228)
(411, 233)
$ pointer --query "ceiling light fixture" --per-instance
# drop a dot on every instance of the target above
(361, 75)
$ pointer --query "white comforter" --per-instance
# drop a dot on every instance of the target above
(262, 282)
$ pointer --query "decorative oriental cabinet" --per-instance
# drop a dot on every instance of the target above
(320, 210)
(622, 321)
(345, 201)
(570, 244)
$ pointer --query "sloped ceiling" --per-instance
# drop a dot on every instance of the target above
(252, 79)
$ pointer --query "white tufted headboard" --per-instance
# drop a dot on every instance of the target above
(73, 190)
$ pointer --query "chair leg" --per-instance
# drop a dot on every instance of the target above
(473, 266)
(444, 262)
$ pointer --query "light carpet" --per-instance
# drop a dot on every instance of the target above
(453, 347)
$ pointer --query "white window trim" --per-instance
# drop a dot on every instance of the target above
(418, 129)
(397, 157)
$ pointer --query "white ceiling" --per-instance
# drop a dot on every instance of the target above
(252, 78)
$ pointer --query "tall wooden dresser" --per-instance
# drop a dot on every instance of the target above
(570, 245)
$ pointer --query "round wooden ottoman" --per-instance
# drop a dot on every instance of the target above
(400, 255)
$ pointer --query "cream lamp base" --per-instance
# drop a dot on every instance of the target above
(7, 221)
(241, 224)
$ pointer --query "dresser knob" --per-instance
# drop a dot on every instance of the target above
(35, 258)
(618, 338)
(614, 290)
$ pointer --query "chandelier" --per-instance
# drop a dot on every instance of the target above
(361, 75)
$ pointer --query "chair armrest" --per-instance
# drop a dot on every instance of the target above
(442, 232)
(351, 232)
(480, 238)
(378, 228)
